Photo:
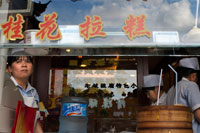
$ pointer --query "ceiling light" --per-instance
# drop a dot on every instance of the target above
(83, 65)
(68, 50)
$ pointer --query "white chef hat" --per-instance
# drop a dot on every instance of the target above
(152, 80)
(191, 63)
(17, 51)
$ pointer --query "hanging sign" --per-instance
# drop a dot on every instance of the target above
(135, 27)
(13, 29)
(92, 28)
(48, 27)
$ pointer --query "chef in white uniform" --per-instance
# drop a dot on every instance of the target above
(188, 92)
(151, 87)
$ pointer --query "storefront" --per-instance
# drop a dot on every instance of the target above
(99, 50)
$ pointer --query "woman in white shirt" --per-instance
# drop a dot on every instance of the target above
(20, 69)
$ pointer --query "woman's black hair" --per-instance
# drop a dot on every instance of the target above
(12, 59)
(185, 72)
(146, 89)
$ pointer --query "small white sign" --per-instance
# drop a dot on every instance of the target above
(70, 34)
(165, 37)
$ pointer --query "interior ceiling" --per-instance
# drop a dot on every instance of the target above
(156, 63)
(95, 62)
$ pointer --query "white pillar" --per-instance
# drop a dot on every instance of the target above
(6, 114)
(3, 51)
(3, 60)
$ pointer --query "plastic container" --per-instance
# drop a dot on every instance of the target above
(29, 38)
(73, 116)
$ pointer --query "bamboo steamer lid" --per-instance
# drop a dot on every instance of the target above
(163, 119)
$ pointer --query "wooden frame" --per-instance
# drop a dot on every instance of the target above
(26, 12)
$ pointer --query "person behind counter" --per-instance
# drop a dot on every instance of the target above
(151, 86)
(188, 91)
(20, 69)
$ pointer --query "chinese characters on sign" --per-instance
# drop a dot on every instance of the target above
(135, 27)
(110, 85)
(114, 81)
(48, 27)
(13, 29)
(91, 28)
